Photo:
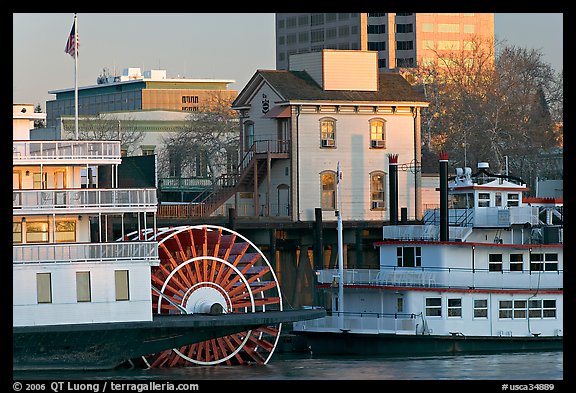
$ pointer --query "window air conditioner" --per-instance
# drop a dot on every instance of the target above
(327, 142)
(378, 143)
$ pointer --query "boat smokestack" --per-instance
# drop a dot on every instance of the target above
(393, 173)
(443, 196)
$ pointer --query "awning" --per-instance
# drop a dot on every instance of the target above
(278, 112)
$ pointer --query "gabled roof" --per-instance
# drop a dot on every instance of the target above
(299, 86)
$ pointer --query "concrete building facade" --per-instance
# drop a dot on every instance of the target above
(400, 39)
(137, 91)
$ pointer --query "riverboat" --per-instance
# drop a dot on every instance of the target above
(482, 273)
(85, 297)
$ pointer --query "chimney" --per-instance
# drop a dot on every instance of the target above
(443, 197)
(393, 173)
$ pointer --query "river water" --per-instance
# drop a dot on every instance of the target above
(535, 366)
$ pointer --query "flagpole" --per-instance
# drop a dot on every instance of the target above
(76, 74)
(340, 252)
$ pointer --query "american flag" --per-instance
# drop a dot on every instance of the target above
(73, 42)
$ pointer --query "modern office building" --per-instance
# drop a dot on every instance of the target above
(401, 39)
(137, 91)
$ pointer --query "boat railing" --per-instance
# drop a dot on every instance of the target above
(65, 150)
(84, 200)
(370, 322)
(133, 252)
(445, 277)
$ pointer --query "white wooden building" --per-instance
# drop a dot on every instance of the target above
(330, 107)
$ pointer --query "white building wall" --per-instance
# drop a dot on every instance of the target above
(65, 309)
(264, 128)
(357, 161)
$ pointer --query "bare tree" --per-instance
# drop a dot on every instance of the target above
(491, 107)
(109, 127)
(208, 144)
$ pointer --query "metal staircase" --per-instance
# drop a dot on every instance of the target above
(251, 171)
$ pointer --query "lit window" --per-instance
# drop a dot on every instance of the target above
(65, 231)
(377, 134)
(377, 191)
(328, 132)
(16, 232)
(328, 180)
(37, 232)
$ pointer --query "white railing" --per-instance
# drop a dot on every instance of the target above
(93, 151)
(368, 322)
(497, 217)
(447, 278)
(84, 200)
(86, 252)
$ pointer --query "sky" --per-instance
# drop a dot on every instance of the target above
(230, 46)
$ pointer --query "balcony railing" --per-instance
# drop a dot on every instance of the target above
(184, 183)
(447, 278)
(76, 152)
(496, 217)
(134, 252)
(370, 322)
(90, 200)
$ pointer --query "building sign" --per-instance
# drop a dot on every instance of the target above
(265, 103)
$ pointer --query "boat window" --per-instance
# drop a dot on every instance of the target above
(505, 309)
(513, 200)
(122, 287)
(83, 287)
(44, 287)
(480, 308)
(455, 307)
(551, 262)
(498, 200)
(409, 256)
(536, 262)
(516, 262)
(520, 309)
(483, 199)
(40, 180)
(535, 308)
(461, 201)
(16, 232)
(549, 308)
(495, 262)
(433, 307)
(37, 232)
(65, 231)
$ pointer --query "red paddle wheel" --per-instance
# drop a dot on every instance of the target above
(211, 270)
